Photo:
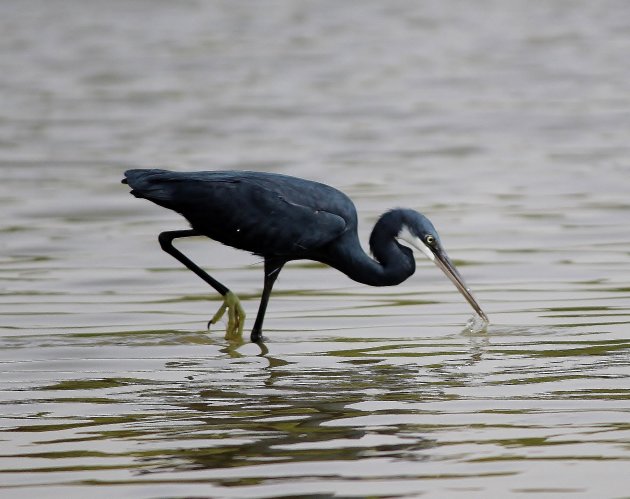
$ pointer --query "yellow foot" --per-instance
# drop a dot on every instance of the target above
(236, 316)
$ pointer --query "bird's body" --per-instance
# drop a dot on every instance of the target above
(282, 218)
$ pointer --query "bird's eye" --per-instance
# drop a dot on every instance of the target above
(430, 240)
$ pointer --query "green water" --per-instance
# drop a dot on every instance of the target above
(504, 122)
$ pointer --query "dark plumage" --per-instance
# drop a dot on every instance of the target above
(283, 218)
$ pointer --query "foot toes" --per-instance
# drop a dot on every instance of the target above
(236, 316)
(217, 317)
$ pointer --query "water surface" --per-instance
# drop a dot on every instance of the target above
(506, 123)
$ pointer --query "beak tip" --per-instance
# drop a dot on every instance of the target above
(444, 263)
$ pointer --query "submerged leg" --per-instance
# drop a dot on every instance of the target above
(236, 314)
(272, 269)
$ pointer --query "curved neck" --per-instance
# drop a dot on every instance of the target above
(391, 265)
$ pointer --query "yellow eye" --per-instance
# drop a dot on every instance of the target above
(430, 240)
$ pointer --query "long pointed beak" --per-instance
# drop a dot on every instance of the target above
(441, 259)
(444, 263)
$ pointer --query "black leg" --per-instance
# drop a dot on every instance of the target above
(231, 303)
(272, 269)
(166, 242)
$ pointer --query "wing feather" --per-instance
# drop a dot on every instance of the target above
(266, 214)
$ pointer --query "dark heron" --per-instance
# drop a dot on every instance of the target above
(283, 218)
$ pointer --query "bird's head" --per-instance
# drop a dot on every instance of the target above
(418, 231)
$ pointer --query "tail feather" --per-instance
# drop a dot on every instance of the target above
(149, 184)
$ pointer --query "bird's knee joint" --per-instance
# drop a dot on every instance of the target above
(165, 240)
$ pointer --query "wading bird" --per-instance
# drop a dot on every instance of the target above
(283, 218)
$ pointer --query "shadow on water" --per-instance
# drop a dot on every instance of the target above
(291, 412)
(508, 130)
(233, 408)
(293, 420)
(185, 407)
